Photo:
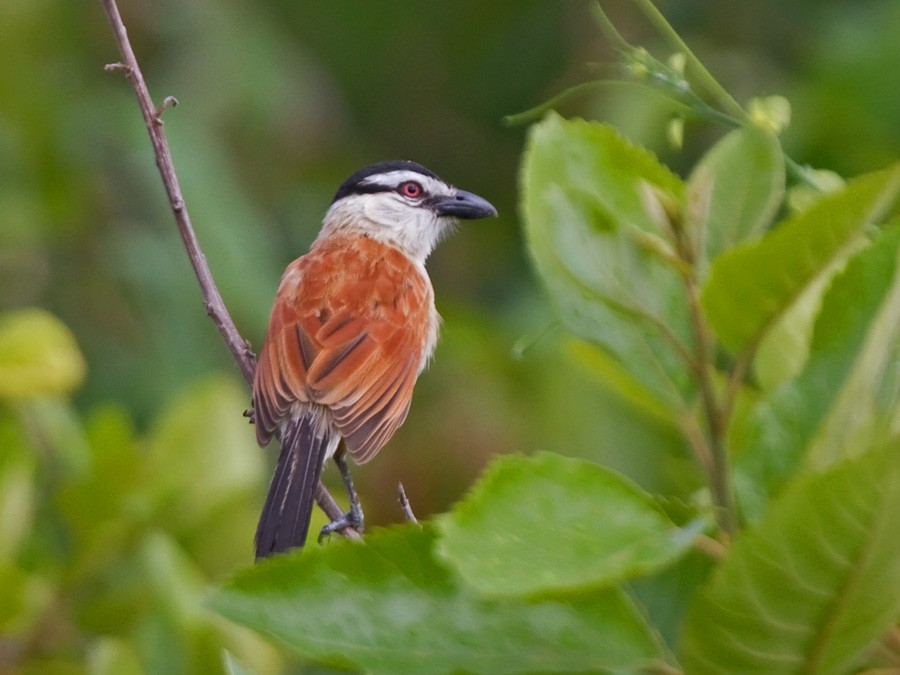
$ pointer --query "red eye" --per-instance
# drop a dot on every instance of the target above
(411, 189)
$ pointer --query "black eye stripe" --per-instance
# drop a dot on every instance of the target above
(356, 184)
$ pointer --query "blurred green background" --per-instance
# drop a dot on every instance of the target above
(279, 102)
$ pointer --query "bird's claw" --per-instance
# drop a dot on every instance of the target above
(353, 518)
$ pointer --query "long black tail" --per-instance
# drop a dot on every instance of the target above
(284, 522)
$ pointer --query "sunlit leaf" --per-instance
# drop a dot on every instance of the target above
(38, 355)
(740, 182)
(753, 284)
(389, 607)
(603, 254)
(813, 583)
(846, 396)
(534, 525)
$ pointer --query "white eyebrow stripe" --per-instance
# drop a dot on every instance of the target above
(393, 179)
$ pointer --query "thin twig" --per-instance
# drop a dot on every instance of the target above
(715, 455)
(405, 507)
(719, 474)
(712, 547)
(215, 307)
(891, 641)
(695, 438)
(701, 73)
(738, 375)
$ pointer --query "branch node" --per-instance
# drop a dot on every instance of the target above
(405, 507)
(168, 101)
(118, 65)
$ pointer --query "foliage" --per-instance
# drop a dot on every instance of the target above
(128, 539)
(707, 470)
(676, 285)
(802, 589)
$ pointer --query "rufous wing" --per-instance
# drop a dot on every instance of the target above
(352, 341)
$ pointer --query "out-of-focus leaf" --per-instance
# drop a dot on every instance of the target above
(389, 607)
(784, 349)
(665, 596)
(740, 181)
(803, 195)
(846, 396)
(17, 489)
(550, 523)
(771, 113)
(204, 456)
(754, 283)
(600, 252)
(813, 583)
(181, 634)
(618, 378)
(104, 504)
(55, 430)
(111, 656)
(25, 598)
(38, 355)
(233, 666)
(866, 406)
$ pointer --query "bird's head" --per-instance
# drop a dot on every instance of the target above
(403, 204)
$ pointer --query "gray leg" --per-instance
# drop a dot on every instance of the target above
(353, 518)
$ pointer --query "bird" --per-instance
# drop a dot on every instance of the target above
(352, 326)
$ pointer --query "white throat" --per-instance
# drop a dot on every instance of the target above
(386, 218)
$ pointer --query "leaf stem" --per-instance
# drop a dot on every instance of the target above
(704, 77)
(719, 473)
(711, 547)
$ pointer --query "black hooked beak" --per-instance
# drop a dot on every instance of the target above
(466, 205)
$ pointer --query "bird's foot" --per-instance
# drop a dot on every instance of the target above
(353, 518)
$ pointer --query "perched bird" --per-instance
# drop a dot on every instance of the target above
(353, 325)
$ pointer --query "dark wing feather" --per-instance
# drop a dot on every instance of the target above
(284, 522)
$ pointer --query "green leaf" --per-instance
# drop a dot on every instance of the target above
(601, 251)
(754, 283)
(665, 597)
(813, 584)
(866, 405)
(38, 355)
(387, 606)
(619, 379)
(741, 183)
(551, 523)
(784, 349)
(847, 395)
(111, 656)
(18, 493)
(233, 666)
(201, 433)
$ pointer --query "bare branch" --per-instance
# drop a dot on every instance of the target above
(405, 507)
(167, 101)
(215, 307)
